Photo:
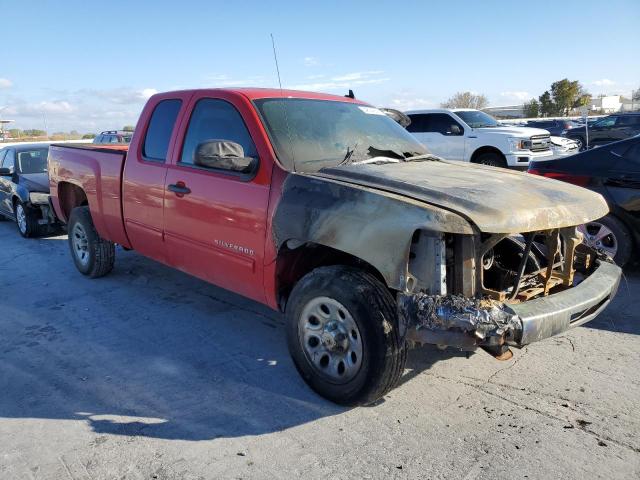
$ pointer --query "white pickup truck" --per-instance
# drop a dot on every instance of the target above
(473, 136)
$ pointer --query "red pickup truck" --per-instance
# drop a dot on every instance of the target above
(326, 209)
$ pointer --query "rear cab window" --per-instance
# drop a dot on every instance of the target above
(160, 129)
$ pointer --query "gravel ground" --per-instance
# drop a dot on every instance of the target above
(151, 374)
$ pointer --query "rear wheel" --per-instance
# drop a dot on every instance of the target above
(610, 235)
(26, 219)
(93, 255)
(491, 159)
(343, 336)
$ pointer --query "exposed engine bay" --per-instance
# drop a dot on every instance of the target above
(466, 295)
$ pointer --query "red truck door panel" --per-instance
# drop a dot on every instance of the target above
(144, 176)
(215, 219)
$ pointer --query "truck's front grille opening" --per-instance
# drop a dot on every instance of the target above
(517, 268)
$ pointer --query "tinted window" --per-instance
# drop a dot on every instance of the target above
(442, 123)
(216, 120)
(629, 120)
(160, 128)
(476, 118)
(10, 159)
(33, 161)
(606, 122)
(418, 123)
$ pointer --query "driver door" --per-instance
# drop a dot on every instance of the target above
(215, 219)
(440, 133)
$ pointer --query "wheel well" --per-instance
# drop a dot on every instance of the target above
(70, 197)
(294, 263)
(483, 150)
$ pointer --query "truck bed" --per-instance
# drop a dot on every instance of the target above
(97, 170)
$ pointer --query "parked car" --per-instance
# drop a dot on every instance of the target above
(113, 136)
(614, 172)
(24, 188)
(561, 146)
(558, 128)
(325, 208)
(474, 136)
(606, 130)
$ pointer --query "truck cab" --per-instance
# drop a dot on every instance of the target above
(473, 136)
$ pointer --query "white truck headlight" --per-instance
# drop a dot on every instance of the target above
(519, 144)
(38, 198)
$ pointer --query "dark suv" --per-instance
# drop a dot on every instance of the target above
(559, 128)
(113, 136)
(606, 130)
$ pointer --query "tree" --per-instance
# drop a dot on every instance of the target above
(531, 109)
(87, 136)
(466, 100)
(128, 128)
(547, 107)
(568, 95)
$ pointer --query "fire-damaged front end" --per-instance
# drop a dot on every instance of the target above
(477, 256)
(500, 290)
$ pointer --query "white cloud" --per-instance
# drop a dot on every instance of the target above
(40, 109)
(5, 83)
(223, 80)
(605, 82)
(519, 96)
(412, 103)
(348, 80)
(310, 62)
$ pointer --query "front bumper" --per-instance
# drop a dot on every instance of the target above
(467, 323)
(547, 316)
(522, 159)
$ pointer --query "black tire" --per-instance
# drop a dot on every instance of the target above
(373, 308)
(98, 254)
(491, 159)
(29, 226)
(582, 144)
(622, 236)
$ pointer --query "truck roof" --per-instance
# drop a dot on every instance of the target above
(257, 93)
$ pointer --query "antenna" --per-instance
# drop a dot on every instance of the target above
(284, 106)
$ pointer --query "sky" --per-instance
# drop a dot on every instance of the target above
(90, 66)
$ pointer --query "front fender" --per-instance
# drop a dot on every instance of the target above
(373, 225)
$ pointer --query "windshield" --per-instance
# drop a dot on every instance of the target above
(312, 134)
(33, 161)
(476, 118)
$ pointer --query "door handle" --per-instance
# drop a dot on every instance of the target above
(179, 189)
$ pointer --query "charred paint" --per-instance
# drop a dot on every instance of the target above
(369, 224)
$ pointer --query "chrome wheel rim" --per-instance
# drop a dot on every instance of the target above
(80, 243)
(21, 219)
(600, 237)
(330, 339)
(579, 142)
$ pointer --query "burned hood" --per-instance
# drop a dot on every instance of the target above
(35, 182)
(496, 200)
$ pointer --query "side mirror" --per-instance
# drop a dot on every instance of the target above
(223, 155)
(455, 130)
(6, 172)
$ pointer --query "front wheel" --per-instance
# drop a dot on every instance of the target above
(93, 255)
(26, 220)
(492, 160)
(582, 145)
(610, 235)
(342, 333)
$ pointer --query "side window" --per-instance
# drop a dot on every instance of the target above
(419, 123)
(9, 159)
(2, 154)
(445, 124)
(163, 119)
(216, 120)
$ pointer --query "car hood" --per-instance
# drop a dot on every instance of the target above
(515, 131)
(35, 182)
(496, 200)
